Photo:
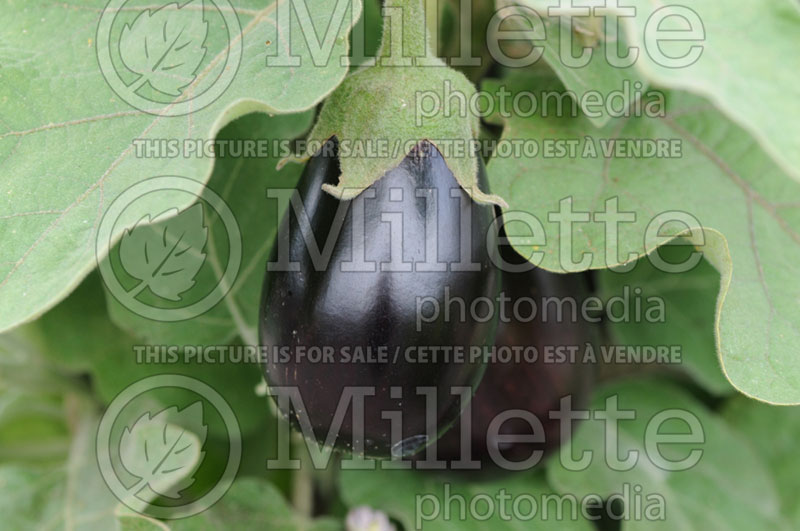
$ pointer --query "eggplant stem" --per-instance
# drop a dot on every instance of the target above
(405, 33)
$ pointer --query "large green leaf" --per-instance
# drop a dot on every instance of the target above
(688, 299)
(721, 178)
(242, 182)
(707, 491)
(773, 431)
(436, 502)
(594, 84)
(72, 496)
(40, 408)
(67, 139)
(730, 72)
(249, 504)
(110, 356)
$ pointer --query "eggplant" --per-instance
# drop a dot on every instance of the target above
(375, 310)
(534, 386)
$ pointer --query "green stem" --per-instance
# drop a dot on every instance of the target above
(432, 15)
(405, 33)
(303, 480)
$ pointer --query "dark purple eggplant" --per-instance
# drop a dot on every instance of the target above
(340, 309)
(536, 387)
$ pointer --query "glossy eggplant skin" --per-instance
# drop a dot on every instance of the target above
(536, 387)
(372, 309)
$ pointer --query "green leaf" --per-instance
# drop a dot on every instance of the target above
(707, 491)
(773, 431)
(727, 71)
(597, 75)
(33, 424)
(53, 93)
(165, 46)
(418, 498)
(32, 427)
(73, 496)
(160, 258)
(249, 504)
(722, 178)
(689, 301)
(110, 356)
(163, 456)
(242, 182)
